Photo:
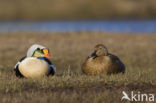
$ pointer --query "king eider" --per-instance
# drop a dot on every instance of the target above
(35, 64)
(102, 62)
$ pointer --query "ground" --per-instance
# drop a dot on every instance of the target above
(68, 51)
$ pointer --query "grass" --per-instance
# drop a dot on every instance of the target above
(69, 51)
(76, 9)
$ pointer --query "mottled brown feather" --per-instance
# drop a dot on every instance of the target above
(105, 63)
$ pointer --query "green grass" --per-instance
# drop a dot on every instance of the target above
(69, 51)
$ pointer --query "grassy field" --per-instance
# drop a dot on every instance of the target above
(76, 9)
(69, 51)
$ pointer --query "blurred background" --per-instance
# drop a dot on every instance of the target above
(78, 15)
(71, 29)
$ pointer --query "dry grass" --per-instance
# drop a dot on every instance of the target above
(68, 52)
(76, 9)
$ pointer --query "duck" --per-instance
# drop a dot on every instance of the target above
(35, 64)
(102, 62)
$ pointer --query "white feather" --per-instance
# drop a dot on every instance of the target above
(32, 49)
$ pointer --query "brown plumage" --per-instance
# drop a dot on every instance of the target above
(100, 61)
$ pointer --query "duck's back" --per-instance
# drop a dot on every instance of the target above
(115, 65)
(32, 67)
(105, 64)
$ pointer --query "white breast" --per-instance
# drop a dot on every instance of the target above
(32, 67)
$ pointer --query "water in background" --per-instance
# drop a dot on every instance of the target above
(134, 26)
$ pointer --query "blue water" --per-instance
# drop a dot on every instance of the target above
(130, 26)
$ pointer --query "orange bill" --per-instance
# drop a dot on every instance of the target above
(46, 53)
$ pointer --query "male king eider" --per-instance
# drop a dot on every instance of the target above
(101, 61)
(35, 64)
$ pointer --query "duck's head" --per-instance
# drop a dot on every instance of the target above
(99, 50)
(38, 51)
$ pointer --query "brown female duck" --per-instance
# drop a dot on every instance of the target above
(100, 61)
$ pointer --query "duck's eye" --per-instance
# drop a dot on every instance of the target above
(38, 49)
